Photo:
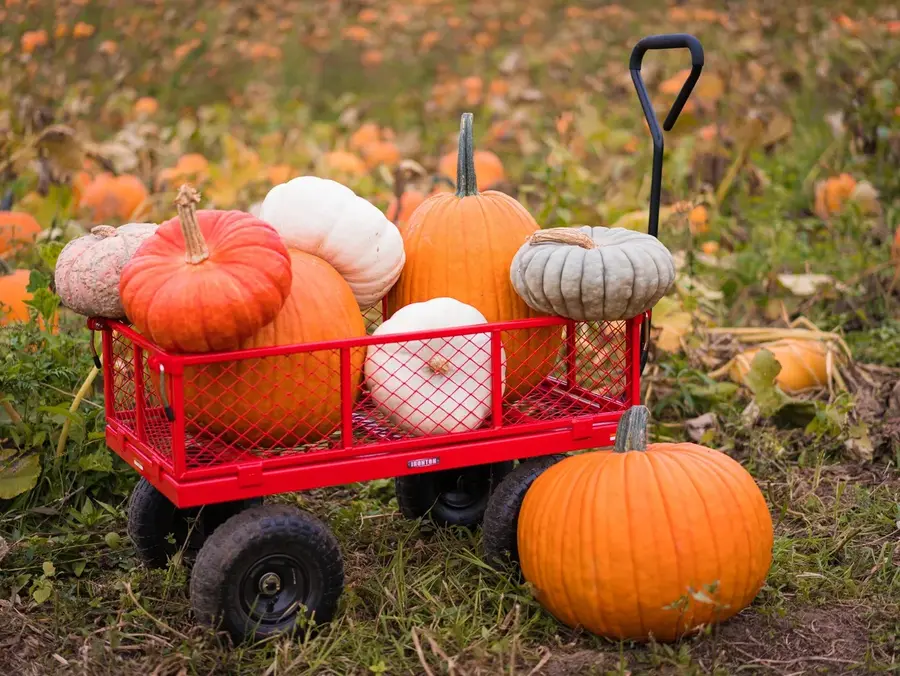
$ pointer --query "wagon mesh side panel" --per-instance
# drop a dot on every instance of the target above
(270, 407)
(569, 371)
(151, 426)
(252, 409)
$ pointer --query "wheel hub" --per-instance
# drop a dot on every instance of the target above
(270, 584)
(274, 588)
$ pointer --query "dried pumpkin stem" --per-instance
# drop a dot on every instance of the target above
(439, 364)
(5, 268)
(103, 231)
(563, 236)
(466, 183)
(631, 433)
(194, 244)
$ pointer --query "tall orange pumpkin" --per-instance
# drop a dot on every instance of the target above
(286, 400)
(461, 246)
(645, 540)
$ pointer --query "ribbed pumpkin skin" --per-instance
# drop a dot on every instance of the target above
(462, 247)
(214, 304)
(609, 539)
(288, 400)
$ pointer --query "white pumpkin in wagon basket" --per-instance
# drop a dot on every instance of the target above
(438, 385)
(592, 274)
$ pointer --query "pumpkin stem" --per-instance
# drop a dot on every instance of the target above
(466, 183)
(631, 433)
(439, 364)
(103, 231)
(194, 244)
(563, 236)
(5, 268)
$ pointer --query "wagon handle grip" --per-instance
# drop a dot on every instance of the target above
(671, 41)
(167, 409)
(667, 41)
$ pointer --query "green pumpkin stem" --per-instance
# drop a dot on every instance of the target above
(466, 184)
(196, 250)
(631, 433)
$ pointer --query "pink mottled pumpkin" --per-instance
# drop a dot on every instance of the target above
(88, 268)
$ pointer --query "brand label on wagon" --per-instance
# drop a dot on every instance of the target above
(422, 462)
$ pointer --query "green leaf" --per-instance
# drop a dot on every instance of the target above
(78, 567)
(761, 381)
(42, 591)
(49, 253)
(18, 475)
(44, 301)
(49, 568)
(98, 461)
(37, 280)
(113, 540)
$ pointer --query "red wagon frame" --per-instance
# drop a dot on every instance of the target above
(150, 434)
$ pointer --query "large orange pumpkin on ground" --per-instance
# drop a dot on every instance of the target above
(645, 540)
(461, 246)
(206, 280)
(287, 400)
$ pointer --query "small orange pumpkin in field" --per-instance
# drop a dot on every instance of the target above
(17, 229)
(381, 152)
(340, 162)
(13, 294)
(192, 167)
(206, 280)
(288, 400)
(461, 245)
(367, 133)
(488, 166)
(645, 540)
(110, 197)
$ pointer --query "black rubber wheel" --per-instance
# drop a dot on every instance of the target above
(265, 569)
(501, 519)
(453, 497)
(152, 518)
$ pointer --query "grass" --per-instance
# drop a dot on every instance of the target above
(419, 600)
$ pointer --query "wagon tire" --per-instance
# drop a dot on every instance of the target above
(152, 518)
(453, 497)
(501, 519)
(265, 571)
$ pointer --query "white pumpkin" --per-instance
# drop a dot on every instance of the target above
(88, 268)
(434, 386)
(327, 219)
(592, 274)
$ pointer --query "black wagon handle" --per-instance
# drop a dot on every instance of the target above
(668, 41)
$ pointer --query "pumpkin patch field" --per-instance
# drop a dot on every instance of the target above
(252, 201)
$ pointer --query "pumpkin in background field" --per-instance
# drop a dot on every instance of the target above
(461, 246)
(592, 274)
(88, 268)
(109, 197)
(287, 400)
(13, 294)
(206, 280)
(327, 219)
(17, 230)
(488, 166)
(342, 163)
(435, 386)
(804, 363)
(646, 540)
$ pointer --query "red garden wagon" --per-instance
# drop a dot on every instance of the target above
(213, 433)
